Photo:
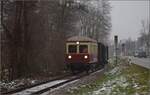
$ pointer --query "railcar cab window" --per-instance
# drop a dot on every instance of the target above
(83, 49)
(72, 48)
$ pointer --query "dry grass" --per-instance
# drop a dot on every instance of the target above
(122, 79)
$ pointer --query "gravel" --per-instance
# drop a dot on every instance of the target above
(63, 90)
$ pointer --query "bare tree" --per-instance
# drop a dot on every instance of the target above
(35, 32)
(144, 39)
(93, 19)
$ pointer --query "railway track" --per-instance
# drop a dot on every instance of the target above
(46, 86)
(33, 85)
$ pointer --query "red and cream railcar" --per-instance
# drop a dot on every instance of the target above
(81, 53)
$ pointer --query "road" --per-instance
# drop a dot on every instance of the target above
(144, 62)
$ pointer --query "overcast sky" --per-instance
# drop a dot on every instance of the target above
(126, 17)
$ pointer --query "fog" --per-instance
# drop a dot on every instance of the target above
(126, 17)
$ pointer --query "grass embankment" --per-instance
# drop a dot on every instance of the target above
(122, 79)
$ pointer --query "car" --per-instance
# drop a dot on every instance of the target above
(136, 54)
(142, 55)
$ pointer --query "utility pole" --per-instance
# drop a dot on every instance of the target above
(116, 46)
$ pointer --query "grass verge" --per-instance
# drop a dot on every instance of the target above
(122, 79)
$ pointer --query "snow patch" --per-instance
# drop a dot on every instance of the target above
(108, 87)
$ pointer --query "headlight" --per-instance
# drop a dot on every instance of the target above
(77, 43)
(85, 57)
(69, 57)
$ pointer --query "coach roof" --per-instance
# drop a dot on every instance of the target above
(80, 38)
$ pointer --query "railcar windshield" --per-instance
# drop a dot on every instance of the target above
(83, 49)
(72, 49)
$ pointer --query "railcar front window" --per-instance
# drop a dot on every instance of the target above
(83, 49)
(72, 49)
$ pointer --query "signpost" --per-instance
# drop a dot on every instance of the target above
(116, 46)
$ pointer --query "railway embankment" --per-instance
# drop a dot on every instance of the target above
(26, 82)
(123, 78)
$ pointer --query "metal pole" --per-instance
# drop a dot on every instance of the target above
(116, 44)
(116, 53)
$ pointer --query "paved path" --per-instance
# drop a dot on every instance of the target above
(144, 62)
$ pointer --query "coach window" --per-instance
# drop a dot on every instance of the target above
(72, 48)
(83, 49)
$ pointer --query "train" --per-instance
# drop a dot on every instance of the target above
(85, 54)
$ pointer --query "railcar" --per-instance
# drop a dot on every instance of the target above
(84, 54)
